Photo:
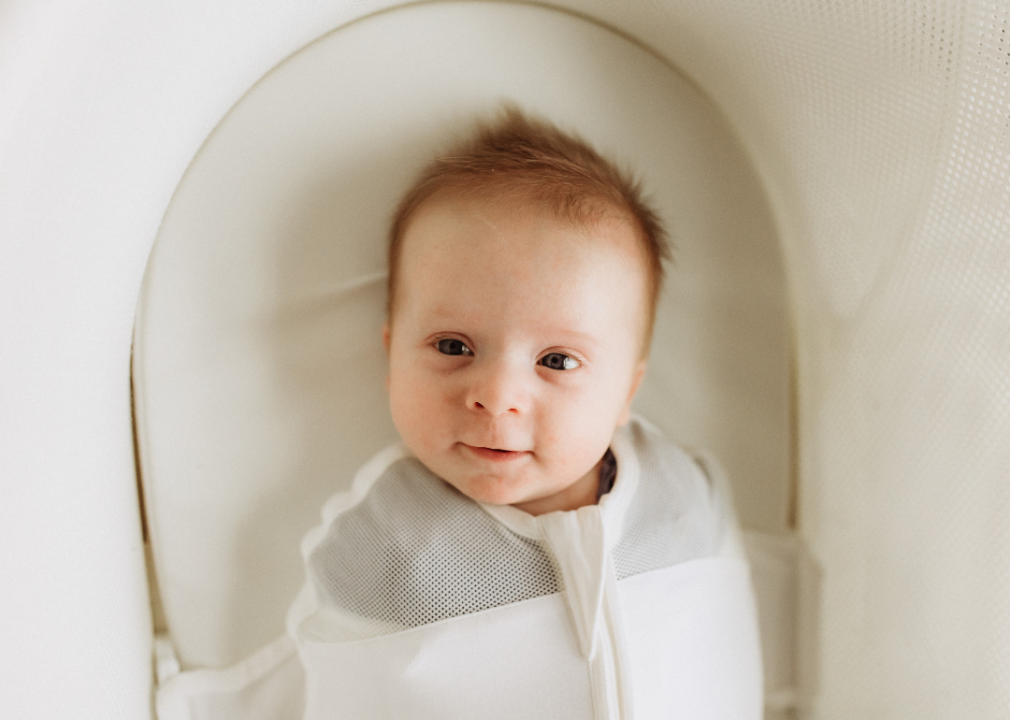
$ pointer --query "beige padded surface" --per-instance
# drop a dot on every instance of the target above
(258, 363)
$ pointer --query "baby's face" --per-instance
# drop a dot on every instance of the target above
(514, 349)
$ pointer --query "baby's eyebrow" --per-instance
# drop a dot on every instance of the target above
(444, 311)
(575, 338)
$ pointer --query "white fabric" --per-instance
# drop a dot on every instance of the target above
(536, 669)
(676, 641)
(268, 685)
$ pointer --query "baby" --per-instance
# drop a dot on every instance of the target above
(523, 279)
(529, 551)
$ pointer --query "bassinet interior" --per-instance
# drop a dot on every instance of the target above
(258, 367)
(866, 145)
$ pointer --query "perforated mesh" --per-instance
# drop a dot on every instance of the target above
(672, 517)
(416, 551)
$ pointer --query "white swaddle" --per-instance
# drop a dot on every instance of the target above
(421, 603)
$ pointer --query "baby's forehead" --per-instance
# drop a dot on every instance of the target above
(507, 251)
(527, 225)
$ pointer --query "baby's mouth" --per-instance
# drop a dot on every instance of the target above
(495, 454)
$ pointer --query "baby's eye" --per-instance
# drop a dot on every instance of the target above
(559, 361)
(452, 346)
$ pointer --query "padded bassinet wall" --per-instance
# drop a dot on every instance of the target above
(880, 131)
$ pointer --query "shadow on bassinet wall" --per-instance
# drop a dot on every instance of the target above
(878, 136)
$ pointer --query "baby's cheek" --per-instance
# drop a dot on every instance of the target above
(567, 451)
(404, 405)
(421, 410)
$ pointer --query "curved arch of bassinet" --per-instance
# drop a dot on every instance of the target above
(881, 134)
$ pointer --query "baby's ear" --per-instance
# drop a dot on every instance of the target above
(636, 380)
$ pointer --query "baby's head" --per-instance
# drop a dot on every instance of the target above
(524, 272)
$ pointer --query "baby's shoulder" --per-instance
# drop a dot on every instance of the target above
(676, 514)
(686, 477)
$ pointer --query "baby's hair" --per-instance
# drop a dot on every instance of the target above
(529, 160)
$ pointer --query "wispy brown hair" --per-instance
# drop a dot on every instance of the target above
(531, 161)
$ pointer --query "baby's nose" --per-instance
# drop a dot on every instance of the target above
(499, 389)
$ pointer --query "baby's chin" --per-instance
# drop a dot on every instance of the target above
(530, 497)
(498, 479)
(514, 478)
(493, 490)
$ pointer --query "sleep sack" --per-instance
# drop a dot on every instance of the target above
(422, 603)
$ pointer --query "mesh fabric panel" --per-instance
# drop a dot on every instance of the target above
(415, 551)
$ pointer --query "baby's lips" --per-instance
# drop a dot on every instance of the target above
(491, 449)
(492, 445)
